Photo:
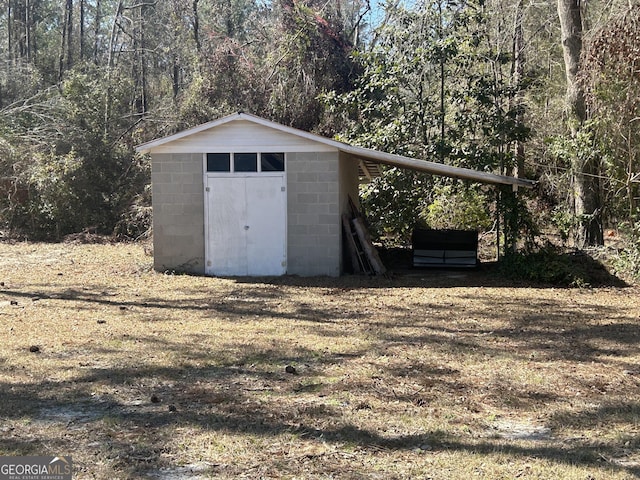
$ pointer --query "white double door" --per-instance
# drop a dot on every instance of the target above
(246, 225)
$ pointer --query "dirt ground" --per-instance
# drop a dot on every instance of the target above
(430, 374)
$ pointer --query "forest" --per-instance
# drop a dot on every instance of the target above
(543, 90)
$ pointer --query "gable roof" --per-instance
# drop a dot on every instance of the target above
(369, 159)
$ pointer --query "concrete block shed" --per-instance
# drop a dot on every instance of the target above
(244, 196)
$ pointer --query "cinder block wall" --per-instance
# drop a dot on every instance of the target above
(313, 219)
(178, 212)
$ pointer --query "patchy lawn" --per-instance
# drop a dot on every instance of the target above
(432, 374)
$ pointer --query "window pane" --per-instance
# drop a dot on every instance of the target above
(245, 162)
(272, 162)
(218, 162)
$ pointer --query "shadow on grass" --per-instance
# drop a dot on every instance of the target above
(547, 267)
(113, 406)
(611, 414)
(135, 435)
(550, 328)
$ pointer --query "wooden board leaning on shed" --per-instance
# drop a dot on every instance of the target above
(363, 255)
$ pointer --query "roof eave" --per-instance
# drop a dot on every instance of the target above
(436, 168)
(148, 146)
(359, 152)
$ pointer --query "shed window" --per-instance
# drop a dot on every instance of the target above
(272, 162)
(218, 162)
(245, 162)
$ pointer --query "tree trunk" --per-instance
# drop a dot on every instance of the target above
(81, 33)
(571, 29)
(62, 45)
(110, 64)
(96, 32)
(196, 26)
(18, 35)
(10, 31)
(587, 205)
(442, 80)
(67, 30)
(69, 34)
(140, 62)
(518, 72)
(27, 29)
(33, 38)
(176, 77)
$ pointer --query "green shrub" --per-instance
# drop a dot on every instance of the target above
(551, 266)
(457, 208)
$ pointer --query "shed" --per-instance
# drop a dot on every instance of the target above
(245, 196)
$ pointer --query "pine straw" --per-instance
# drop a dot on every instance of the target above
(429, 375)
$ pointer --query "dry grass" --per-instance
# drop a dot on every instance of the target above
(430, 375)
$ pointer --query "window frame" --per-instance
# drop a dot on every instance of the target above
(206, 162)
(284, 161)
(232, 171)
(252, 157)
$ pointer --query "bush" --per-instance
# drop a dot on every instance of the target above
(76, 168)
(392, 203)
(136, 222)
(456, 209)
(551, 266)
(626, 256)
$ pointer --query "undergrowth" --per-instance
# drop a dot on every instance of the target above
(552, 266)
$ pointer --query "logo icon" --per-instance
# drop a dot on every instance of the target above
(35, 468)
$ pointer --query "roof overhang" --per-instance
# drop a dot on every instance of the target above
(368, 159)
(371, 159)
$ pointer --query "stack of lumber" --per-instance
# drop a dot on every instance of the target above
(362, 253)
